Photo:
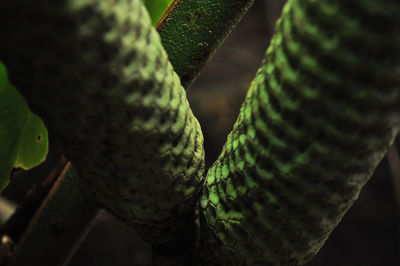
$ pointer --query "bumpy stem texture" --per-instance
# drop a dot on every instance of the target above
(97, 73)
(317, 120)
(193, 30)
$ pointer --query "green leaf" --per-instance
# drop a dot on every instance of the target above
(23, 135)
(156, 8)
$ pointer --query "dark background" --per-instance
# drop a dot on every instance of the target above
(368, 234)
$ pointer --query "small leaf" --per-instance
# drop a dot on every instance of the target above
(23, 135)
(156, 8)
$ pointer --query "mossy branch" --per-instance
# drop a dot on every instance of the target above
(192, 30)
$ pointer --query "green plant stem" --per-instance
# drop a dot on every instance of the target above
(318, 118)
(124, 123)
(59, 225)
(193, 30)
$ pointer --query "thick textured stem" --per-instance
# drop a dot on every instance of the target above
(192, 30)
(59, 225)
(318, 118)
(97, 73)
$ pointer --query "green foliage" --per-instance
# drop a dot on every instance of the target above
(23, 135)
(156, 8)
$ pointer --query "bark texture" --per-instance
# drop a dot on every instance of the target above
(192, 30)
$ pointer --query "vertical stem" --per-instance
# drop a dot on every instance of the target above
(60, 224)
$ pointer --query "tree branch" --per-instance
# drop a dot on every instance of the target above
(19, 220)
(59, 225)
(191, 31)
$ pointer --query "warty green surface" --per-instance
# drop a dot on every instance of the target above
(97, 73)
(317, 120)
(195, 29)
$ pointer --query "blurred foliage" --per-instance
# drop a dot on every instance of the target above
(23, 135)
(156, 8)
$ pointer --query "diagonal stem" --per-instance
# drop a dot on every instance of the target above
(192, 30)
(19, 220)
(60, 224)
